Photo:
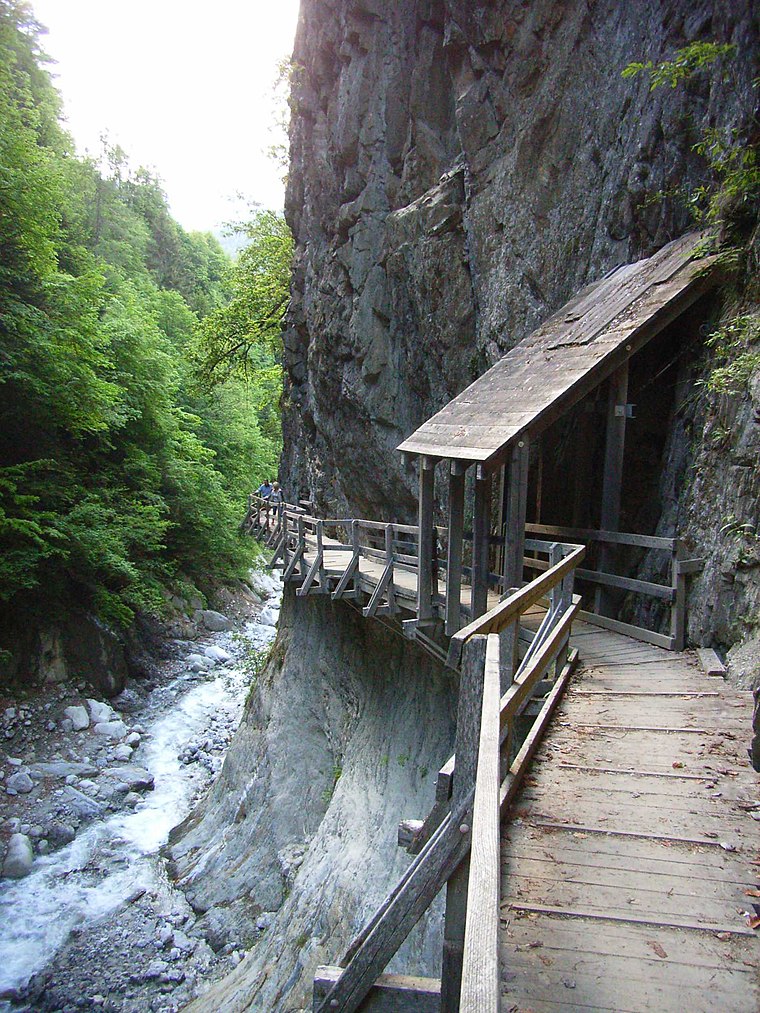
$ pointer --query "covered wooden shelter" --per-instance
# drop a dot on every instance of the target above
(490, 426)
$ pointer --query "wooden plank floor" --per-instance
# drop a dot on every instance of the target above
(627, 856)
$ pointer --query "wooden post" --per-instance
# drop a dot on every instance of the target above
(466, 746)
(480, 970)
(614, 452)
(425, 539)
(678, 608)
(501, 514)
(584, 453)
(539, 481)
(454, 558)
(517, 503)
(481, 529)
(389, 562)
(303, 568)
(286, 541)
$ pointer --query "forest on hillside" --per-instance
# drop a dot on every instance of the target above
(139, 368)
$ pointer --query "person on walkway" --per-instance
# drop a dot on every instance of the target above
(265, 492)
(277, 500)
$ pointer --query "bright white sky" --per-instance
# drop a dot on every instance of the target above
(184, 86)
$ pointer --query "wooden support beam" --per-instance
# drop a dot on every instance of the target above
(637, 632)
(612, 482)
(425, 539)
(454, 557)
(481, 530)
(710, 662)
(383, 586)
(584, 452)
(378, 941)
(392, 607)
(517, 504)
(391, 993)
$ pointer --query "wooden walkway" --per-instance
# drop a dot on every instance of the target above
(631, 858)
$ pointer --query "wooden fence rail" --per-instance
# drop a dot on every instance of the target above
(494, 691)
(296, 534)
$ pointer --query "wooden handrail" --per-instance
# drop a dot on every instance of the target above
(611, 537)
(480, 964)
(501, 615)
(467, 815)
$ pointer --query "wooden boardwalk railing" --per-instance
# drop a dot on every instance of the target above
(513, 660)
(494, 682)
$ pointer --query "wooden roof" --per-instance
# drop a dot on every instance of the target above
(567, 356)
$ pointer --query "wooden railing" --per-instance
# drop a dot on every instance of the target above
(673, 593)
(496, 684)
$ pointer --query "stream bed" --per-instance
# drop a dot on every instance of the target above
(97, 924)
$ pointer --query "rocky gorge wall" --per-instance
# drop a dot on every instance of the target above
(458, 171)
(291, 852)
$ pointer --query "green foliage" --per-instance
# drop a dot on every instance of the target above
(731, 188)
(686, 62)
(734, 347)
(244, 337)
(117, 473)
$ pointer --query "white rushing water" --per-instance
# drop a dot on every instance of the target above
(112, 858)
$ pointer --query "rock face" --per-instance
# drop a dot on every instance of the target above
(339, 742)
(459, 170)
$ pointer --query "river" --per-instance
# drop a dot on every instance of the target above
(115, 860)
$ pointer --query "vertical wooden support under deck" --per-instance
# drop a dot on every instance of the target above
(425, 536)
(466, 747)
(517, 504)
(614, 452)
(454, 558)
(481, 530)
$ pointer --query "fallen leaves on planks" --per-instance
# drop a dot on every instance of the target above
(659, 950)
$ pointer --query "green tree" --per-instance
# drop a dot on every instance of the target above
(118, 472)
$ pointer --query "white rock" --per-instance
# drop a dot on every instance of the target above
(269, 616)
(134, 777)
(18, 858)
(78, 718)
(197, 659)
(122, 752)
(217, 654)
(133, 739)
(111, 729)
(101, 712)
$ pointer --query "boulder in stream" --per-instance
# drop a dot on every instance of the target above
(101, 712)
(217, 654)
(18, 858)
(137, 778)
